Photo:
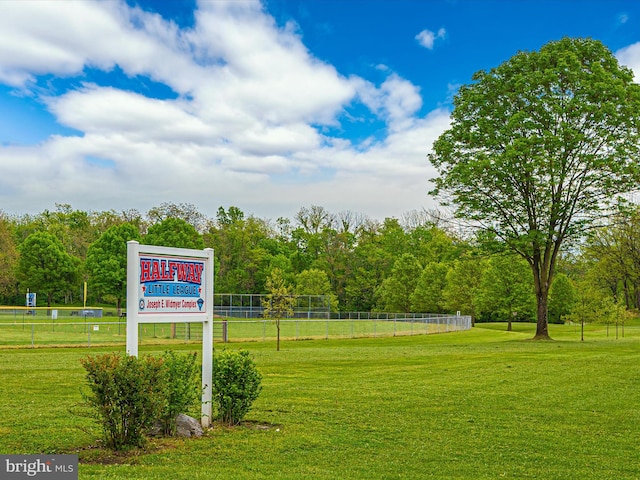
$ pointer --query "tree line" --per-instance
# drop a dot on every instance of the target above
(420, 262)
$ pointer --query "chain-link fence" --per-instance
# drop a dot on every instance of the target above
(251, 305)
(350, 326)
(21, 327)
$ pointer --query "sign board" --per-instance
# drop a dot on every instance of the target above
(172, 285)
(31, 299)
(31, 302)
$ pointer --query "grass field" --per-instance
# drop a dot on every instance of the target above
(485, 403)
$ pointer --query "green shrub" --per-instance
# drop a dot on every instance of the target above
(128, 395)
(183, 388)
(236, 384)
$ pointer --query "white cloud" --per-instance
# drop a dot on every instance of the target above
(630, 56)
(106, 110)
(396, 100)
(427, 38)
(250, 101)
(401, 101)
(61, 38)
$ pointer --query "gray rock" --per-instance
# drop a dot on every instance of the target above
(187, 426)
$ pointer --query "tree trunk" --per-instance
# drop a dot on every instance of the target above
(278, 336)
(626, 294)
(542, 282)
(542, 326)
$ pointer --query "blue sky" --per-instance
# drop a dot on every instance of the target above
(268, 106)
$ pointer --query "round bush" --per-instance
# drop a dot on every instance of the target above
(236, 384)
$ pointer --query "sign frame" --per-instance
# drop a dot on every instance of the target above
(135, 252)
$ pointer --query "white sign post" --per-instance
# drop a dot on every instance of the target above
(172, 285)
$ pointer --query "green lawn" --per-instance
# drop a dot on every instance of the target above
(479, 404)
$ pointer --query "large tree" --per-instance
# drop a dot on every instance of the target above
(505, 291)
(539, 147)
(243, 249)
(463, 284)
(184, 211)
(8, 257)
(174, 232)
(107, 261)
(613, 257)
(45, 266)
(395, 292)
(315, 282)
(427, 296)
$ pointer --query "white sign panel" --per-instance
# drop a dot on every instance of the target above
(171, 285)
(31, 299)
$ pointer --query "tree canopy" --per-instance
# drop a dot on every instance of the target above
(174, 232)
(539, 147)
(107, 261)
(45, 265)
(8, 256)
